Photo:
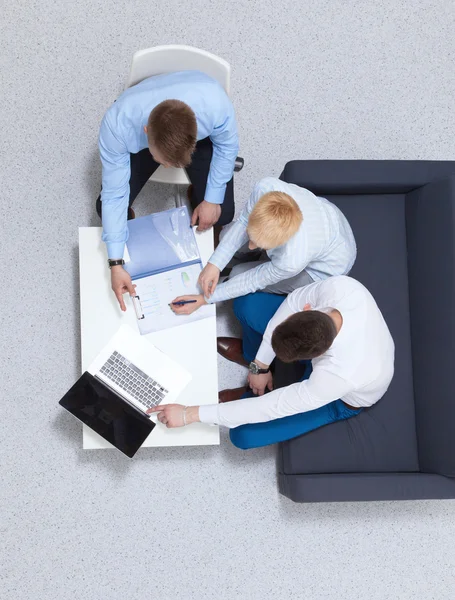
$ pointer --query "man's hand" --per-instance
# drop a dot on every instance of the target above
(208, 279)
(171, 415)
(187, 309)
(258, 383)
(206, 215)
(121, 284)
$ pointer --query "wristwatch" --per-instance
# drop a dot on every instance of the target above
(256, 370)
(113, 262)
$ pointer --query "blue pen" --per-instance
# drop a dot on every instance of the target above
(182, 302)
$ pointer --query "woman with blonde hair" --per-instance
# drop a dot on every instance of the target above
(304, 239)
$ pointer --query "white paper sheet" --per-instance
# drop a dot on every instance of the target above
(156, 292)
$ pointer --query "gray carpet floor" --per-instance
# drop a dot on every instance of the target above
(311, 79)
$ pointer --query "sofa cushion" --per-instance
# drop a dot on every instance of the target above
(383, 437)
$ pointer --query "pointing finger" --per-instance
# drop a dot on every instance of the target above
(120, 301)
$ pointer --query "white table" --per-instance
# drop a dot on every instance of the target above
(193, 345)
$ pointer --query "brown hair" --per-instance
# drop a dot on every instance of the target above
(275, 218)
(303, 336)
(172, 128)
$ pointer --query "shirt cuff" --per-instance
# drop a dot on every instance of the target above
(209, 414)
(215, 195)
(265, 354)
(220, 257)
(218, 295)
(115, 249)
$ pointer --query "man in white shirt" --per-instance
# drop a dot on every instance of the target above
(306, 239)
(337, 325)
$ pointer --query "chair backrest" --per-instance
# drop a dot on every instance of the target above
(168, 59)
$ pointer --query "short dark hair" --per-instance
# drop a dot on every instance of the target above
(172, 128)
(303, 336)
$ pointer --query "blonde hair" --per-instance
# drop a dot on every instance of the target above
(275, 218)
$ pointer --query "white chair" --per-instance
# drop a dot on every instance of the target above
(168, 59)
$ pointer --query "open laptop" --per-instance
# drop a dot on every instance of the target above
(128, 377)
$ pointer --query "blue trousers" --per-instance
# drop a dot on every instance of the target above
(254, 311)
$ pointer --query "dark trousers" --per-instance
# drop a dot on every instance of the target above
(143, 166)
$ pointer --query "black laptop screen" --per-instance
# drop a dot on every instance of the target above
(111, 417)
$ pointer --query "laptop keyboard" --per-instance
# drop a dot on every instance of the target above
(127, 376)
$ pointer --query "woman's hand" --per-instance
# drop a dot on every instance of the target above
(176, 415)
(187, 309)
(208, 279)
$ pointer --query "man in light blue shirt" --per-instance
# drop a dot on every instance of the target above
(180, 119)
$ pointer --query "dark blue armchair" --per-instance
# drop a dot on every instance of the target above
(403, 448)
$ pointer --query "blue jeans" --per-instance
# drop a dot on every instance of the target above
(254, 312)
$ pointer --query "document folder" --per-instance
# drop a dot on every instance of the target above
(164, 263)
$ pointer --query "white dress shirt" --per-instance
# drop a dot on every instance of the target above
(324, 245)
(357, 368)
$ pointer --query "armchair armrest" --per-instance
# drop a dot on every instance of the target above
(430, 231)
(365, 487)
(339, 177)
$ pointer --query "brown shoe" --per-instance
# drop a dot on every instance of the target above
(231, 349)
(230, 395)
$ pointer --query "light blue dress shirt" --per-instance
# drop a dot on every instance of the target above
(122, 133)
(324, 245)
